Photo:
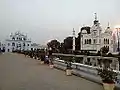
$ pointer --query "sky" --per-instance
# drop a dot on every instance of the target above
(44, 20)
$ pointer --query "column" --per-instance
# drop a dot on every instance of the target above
(73, 39)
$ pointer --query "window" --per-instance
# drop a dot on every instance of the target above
(94, 41)
(8, 44)
(28, 44)
(89, 41)
(24, 44)
(13, 44)
(20, 38)
(85, 41)
(19, 45)
(13, 38)
(104, 41)
(24, 39)
(108, 41)
(95, 33)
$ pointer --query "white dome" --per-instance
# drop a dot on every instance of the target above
(84, 32)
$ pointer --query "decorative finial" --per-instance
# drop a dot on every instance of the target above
(95, 16)
(108, 24)
(73, 30)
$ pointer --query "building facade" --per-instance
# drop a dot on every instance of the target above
(93, 39)
(17, 41)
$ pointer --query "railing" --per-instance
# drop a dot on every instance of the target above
(85, 71)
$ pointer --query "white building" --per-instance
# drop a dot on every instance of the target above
(93, 39)
(17, 41)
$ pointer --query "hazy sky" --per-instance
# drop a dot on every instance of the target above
(47, 19)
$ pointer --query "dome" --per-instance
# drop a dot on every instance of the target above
(108, 30)
(84, 31)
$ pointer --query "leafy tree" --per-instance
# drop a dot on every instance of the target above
(54, 44)
(68, 42)
(104, 50)
(77, 42)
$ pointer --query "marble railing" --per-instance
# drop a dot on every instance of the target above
(86, 71)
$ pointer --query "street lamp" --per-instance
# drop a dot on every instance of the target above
(118, 28)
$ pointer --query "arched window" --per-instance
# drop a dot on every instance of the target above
(89, 41)
(24, 39)
(13, 44)
(24, 44)
(108, 41)
(94, 41)
(8, 44)
(85, 41)
(104, 40)
(19, 45)
(13, 38)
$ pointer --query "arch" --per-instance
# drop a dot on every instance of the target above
(86, 28)
(85, 41)
(13, 44)
(104, 40)
(89, 41)
(13, 38)
(108, 41)
(23, 44)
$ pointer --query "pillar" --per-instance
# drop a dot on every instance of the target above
(73, 39)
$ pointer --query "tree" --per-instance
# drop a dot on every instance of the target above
(104, 50)
(62, 48)
(77, 42)
(54, 44)
(68, 42)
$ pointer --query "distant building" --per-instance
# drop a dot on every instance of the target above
(37, 46)
(2, 45)
(17, 41)
(93, 39)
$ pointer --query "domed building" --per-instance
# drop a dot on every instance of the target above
(93, 39)
(17, 41)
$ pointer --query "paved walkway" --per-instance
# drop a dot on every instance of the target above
(21, 73)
